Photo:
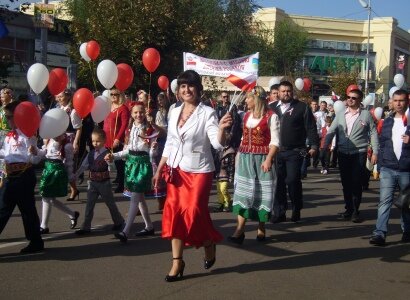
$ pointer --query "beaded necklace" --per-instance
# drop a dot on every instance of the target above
(182, 121)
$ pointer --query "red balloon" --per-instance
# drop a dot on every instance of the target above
(151, 59)
(92, 49)
(83, 101)
(307, 84)
(352, 87)
(27, 118)
(57, 81)
(125, 77)
(163, 82)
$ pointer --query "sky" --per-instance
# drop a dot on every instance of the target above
(346, 9)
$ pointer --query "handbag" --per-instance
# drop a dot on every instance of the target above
(403, 200)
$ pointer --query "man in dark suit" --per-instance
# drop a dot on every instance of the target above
(296, 124)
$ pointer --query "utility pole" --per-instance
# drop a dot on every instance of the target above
(44, 39)
(368, 6)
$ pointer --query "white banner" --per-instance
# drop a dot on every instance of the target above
(222, 68)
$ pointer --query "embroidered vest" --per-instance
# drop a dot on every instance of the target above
(98, 164)
(256, 140)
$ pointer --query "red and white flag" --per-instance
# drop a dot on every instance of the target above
(243, 81)
(334, 96)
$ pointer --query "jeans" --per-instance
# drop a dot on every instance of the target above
(389, 180)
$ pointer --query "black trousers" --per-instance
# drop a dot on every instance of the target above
(120, 166)
(20, 191)
(289, 164)
(352, 171)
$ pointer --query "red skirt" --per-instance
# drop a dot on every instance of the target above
(186, 214)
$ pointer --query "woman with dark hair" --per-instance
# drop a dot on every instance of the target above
(192, 128)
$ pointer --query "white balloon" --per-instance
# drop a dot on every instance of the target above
(339, 107)
(174, 86)
(83, 52)
(106, 94)
(299, 84)
(367, 100)
(378, 113)
(399, 80)
(107, 73)
(101, 109)
(392, 90)
(37, 77)
(273, 80)
(53, 123)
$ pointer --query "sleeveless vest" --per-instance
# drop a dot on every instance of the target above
(256, 140)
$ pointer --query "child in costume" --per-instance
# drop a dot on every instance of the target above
(58, 171)
(20, 182)
(138, 171)
(99, 183)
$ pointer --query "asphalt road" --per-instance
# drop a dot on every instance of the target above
(320, 257)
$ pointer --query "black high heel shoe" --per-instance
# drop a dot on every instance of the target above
(179, 275)
(73, 221)
(76, 195)
(209, 263)
(237, 240)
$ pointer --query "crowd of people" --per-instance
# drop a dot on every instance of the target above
(262, 146)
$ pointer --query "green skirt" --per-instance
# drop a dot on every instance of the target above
(54, 180)
(138, 173)
(254, 190)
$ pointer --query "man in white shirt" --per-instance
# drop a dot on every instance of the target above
(394, 163)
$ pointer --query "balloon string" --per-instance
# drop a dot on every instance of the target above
(149, 91)
(92, 76)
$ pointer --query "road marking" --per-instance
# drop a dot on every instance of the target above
(47, 237)
(322, 180)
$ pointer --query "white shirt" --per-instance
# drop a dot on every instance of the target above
(397, 131)
(135, 143)
(284, 106)
(74, 117)
(15, 149)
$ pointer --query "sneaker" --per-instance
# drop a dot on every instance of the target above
(321, 171)
(377, 240)
(405, 238)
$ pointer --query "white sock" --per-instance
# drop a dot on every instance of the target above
(132, 212)
(64, 208)
(145, 214)
(46, 211)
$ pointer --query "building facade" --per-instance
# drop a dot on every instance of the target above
(332, 40)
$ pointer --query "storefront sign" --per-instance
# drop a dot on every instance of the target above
(44, 15)
(324, 63)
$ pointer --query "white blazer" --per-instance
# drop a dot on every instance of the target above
(189, 147)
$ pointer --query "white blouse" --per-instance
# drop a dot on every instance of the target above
(135, 142)
(15, 148)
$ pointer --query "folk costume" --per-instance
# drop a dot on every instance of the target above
(19, 185)
(189, 175)
(99, 185)
(138, 176)
(57, 172)
(255, 189)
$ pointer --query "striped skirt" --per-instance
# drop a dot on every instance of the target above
(254, 190)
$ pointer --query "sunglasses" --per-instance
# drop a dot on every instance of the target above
(114, 95)
(353, 98)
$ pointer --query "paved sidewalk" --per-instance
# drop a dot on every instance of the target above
(319, 258)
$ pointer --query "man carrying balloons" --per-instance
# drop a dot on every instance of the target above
(353, 127)
(20, 175)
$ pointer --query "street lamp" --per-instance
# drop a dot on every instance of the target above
(367, 5)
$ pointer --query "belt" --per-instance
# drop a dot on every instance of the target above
(138, 153)
(16, 169)
(291, 148)
(99, 176)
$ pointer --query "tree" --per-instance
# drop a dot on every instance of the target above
(342, 76)
(289, 46)
(125, 28)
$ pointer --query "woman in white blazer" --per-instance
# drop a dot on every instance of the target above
(188, 166)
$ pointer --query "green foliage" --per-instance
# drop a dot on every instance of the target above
(342, 77)
(290, 41)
